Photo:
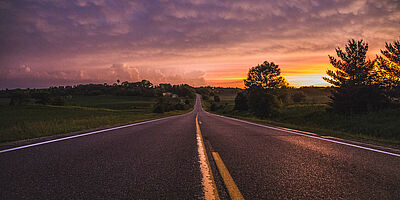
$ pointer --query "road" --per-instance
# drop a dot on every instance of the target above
(160, 160)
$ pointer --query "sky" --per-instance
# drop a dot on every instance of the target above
(199, 42)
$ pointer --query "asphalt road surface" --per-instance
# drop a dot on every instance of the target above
(160, 160)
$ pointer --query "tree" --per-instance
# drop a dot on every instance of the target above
(388, 72)
(262, 103)
(266, 75)
(241, 102)
(352, 69)
(392, 52)
(354, 80)
(217, 99)
(19, 98)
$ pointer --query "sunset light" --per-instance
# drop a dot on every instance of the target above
(48, 43)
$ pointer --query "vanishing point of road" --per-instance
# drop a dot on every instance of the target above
(197, 155)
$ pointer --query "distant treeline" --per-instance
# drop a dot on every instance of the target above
(59, 95)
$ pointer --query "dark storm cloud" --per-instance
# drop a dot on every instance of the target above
(55, 36)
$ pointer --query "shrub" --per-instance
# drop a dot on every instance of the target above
(19, 98)
(262, 103)
(298, 97)
(241, 102)
(213, 107)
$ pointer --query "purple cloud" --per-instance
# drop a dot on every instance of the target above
(54, 36)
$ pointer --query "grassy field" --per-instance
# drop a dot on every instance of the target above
(81, 113)
(313, 115)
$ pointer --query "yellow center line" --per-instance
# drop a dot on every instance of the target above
(233, 190)
(209, 187)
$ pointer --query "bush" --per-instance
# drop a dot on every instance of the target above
(241, 102)
(166, 104)
(217, 99)
(359, 99)
(158, 109)
(262, 103)
(58, 101)
(298, 97)
(180, 106)
(42, 98)
(213, 107)
(19, 98)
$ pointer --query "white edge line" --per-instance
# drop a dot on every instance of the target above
(89, 133)
(311, 136)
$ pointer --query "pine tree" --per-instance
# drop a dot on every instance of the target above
(352, 69)
(389, 68)
(353, 78)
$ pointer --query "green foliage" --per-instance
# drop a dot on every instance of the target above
(392, 52)
(298, 97)
(213, 107)
(359, 99)
(358, 89)
(313, 115)
(282, 94)
(84, 112)
(241, 102)
(352, 69)
(19, 98)
(387, 71)
(58, 101)
(166, 104)
(266, 75)
(204, 92)
(263, 103)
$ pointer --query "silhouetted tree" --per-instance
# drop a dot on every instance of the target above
(19, 98)
(241, 102)
(266, 75)
(388, 72)
(353, 80)
(262, 84)
(352, 69)
(217, 99)
(262, 103)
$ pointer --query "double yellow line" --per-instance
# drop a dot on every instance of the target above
(232, 188)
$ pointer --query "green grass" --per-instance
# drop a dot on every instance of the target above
(81, 113)
(313, 115)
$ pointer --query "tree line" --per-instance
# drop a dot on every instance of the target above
(359, 84)
(61, 94)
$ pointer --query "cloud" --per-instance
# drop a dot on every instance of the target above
(15, 77)
(85, 36)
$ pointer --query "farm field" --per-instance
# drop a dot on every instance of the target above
(80, 113)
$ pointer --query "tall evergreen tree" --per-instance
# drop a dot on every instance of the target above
(389, 68)
(355, 91)
(352, 68)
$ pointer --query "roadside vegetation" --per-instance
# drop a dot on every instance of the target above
(362, 104)
(32, 113)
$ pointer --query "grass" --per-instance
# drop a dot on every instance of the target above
(313, 115)
(81, 113)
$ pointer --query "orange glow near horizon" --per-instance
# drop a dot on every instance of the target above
(194, 42)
